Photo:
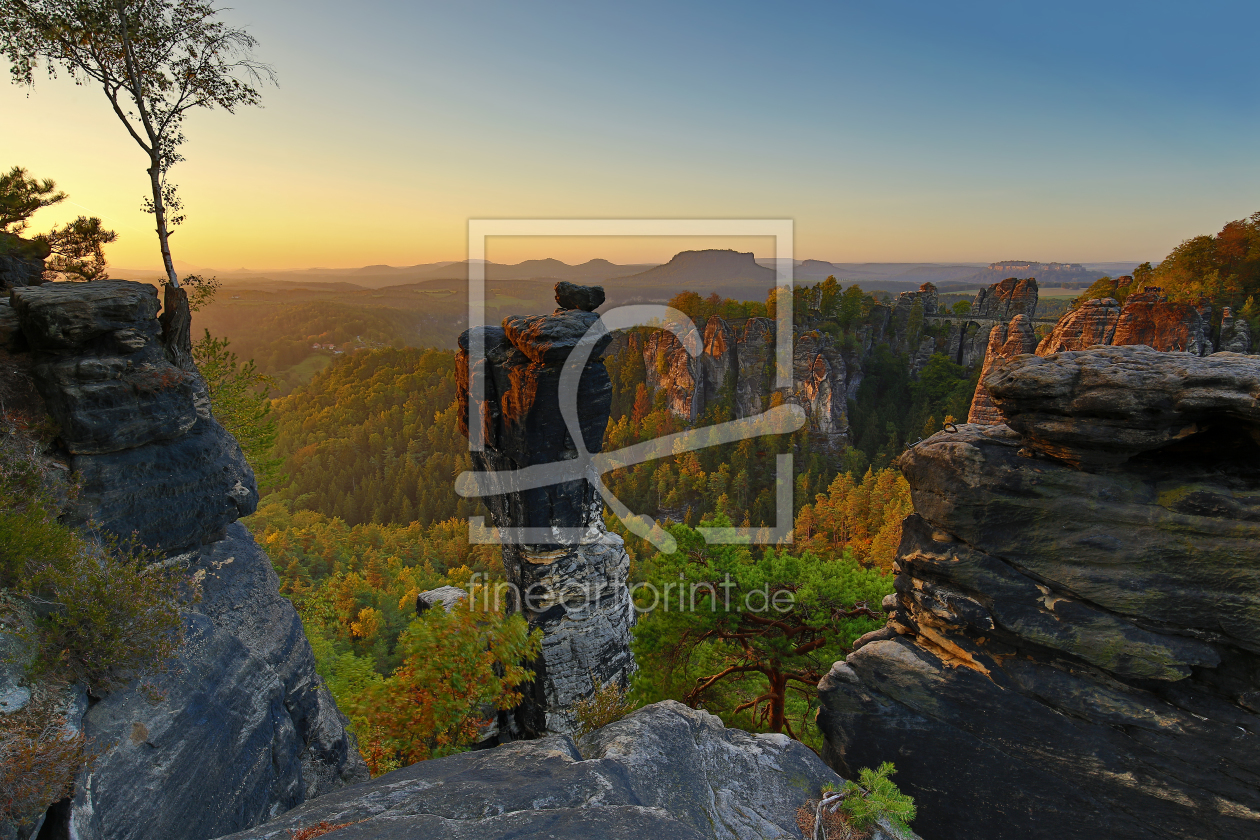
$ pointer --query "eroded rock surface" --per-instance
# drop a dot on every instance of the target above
(1073, 649)
(236, 731)
(1006, 341)
(665, 772)
(569, 573)
(151, 459)
(1106, 404)
(1093, 322)
(1149, 318)
(1003, 301)
(239, 728)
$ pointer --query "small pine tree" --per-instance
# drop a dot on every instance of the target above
(874, 797)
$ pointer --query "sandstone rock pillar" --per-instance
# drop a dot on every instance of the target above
(1005, 342)
(568, 574)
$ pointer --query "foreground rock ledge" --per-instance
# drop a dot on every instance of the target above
(1074, 647)
(665, 772)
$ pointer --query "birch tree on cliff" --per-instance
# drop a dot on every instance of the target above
(155, 60)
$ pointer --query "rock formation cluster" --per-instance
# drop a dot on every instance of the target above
(666, 772)
(1147, 317)
(737, 361)
(572, 587)
(1074, 643)
(239, 727)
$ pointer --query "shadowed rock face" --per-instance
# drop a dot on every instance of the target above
(1235, 333)
(240, 727)
(1073, 649)
(574, 589)
(1107, 404)
(572, 296)
(664, 772)
(237, 730)
(152, 460)
(21, 261)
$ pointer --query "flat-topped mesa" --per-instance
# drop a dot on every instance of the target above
(568, 572)
(1074, 645)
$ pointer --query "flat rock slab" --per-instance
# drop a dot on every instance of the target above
(64, 316)
(1105, 404)
(550, 338)
(663, 772)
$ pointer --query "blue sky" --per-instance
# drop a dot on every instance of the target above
(890, 131)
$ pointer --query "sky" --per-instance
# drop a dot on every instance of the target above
(896, 131)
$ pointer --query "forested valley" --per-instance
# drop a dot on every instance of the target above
(360, 515)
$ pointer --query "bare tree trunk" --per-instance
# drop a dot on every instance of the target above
(778, 699)
(176, 321)
(159, 214)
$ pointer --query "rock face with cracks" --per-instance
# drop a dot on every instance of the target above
(665, 771)
(568, 574)
(1074, 650)
(1005, 342)
(239, 727)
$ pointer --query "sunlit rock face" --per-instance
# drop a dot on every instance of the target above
(568, 574)
(1003, 301)
(1149, 318)
(1074, 643)
(239, 727)
(1005, 342)
(1093, 322)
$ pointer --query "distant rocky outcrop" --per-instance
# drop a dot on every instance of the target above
(1004, 300)
(239, 728)
(1235, 333)
(1148, 318)
(826, 373)
(569, 573)
(1074, 645)
(706, 267)
(666, 772)
(1093, 322)
(1005, 342)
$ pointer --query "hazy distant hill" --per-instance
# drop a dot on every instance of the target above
(592, 271)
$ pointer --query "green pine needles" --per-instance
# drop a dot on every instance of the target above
(875, 797)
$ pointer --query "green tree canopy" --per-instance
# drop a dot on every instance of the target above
(740, 631)
(76, 250)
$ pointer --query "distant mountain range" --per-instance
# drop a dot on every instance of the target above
(731, 273)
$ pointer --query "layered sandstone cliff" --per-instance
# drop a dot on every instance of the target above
(1073, 648)
(239, 727)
